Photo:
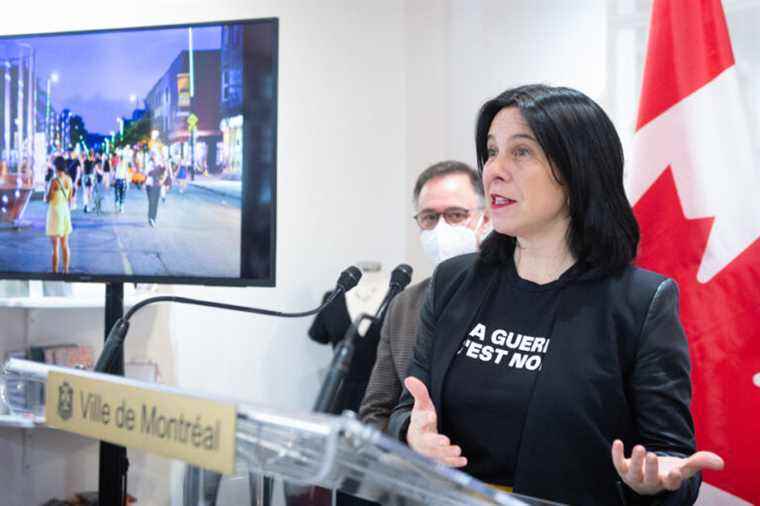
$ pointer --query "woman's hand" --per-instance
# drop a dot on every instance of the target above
(647, 473)
(422, 435)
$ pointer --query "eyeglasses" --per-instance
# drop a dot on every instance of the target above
(428, 220)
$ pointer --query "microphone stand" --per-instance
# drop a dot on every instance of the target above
(112, 485)
(339, 366)
(341, 362)
(113, 464)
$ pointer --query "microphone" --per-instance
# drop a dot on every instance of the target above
(349, 278)
(115, 340)
(401, 276)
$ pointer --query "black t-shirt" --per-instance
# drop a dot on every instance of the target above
(490, 383)
(89, 166)
(73, 167)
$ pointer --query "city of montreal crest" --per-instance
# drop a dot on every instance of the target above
(65, 401)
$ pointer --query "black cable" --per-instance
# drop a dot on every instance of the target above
(115, 340)
(119, 331)
(231, 307)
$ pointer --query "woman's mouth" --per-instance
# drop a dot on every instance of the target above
(499, 202)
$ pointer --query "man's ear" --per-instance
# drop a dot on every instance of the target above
(484, 222)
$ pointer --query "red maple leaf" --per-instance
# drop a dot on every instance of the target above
(720, 318)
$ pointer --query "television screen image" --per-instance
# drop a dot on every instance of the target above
(145, 154)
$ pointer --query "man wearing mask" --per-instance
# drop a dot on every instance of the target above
(449, 201)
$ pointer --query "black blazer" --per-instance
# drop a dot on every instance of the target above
(618, 367)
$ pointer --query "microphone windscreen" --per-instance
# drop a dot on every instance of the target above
(401, 276)
(349, 278)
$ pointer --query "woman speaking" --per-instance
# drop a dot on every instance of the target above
(545, 358)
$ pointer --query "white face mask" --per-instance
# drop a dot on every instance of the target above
(446, 241)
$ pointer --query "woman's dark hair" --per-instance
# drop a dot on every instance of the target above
(59, 163)
(586, 156)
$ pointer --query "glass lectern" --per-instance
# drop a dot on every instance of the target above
(334, 452)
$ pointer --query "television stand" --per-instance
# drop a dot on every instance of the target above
(112, 477)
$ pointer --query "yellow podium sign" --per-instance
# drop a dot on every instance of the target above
(156, 420)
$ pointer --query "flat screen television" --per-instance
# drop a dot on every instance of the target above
(167, 136)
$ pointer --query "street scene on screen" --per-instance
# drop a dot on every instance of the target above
(121, 152)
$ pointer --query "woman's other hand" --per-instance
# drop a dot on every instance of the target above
(648, 473)
(422, 435)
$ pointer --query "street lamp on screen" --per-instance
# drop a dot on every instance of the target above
(52, 78)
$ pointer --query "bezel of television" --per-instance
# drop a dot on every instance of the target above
(256, 45)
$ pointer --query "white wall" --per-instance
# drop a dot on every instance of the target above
(340, 176)
(486, 47)
(370, 93)
(369, 96)
(340, 159)
(427, 108)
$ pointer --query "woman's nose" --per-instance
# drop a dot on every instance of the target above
(500, 168)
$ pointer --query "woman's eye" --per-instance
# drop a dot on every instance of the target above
(521, 152)
(491, 152)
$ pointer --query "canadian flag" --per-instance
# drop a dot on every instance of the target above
(695, 188)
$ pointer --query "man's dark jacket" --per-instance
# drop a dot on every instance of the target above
(394, 352)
